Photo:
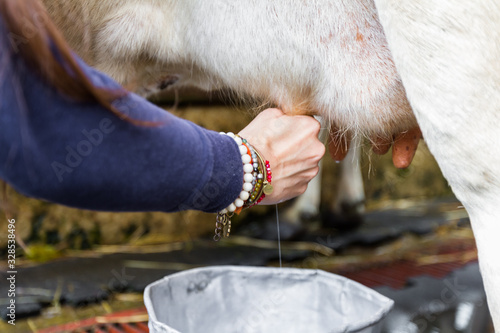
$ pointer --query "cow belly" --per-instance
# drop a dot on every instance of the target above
(329, 58)
(316, 57)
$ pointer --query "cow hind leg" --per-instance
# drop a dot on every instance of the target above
(345, 211)
(447, 54)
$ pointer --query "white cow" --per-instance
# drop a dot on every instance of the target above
(333, 58)
(141, 61)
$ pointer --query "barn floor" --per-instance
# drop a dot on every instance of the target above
(419, 253)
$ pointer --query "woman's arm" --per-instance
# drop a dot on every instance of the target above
(81, 155)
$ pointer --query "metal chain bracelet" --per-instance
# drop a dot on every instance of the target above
(222, 226)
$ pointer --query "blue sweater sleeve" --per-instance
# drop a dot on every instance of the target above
(81, 155)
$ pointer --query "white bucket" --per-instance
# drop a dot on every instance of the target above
(224, 299)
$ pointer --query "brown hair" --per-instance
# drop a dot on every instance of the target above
(35, 37)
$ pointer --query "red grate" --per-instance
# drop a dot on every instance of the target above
(396, 274)
(130, 321)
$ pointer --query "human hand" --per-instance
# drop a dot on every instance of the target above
(291, 145)
(404, 146)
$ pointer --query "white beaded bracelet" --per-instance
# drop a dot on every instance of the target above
(248, 177)
(223, 224)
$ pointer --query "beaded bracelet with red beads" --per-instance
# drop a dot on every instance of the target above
(262, 172)
(264, 179)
